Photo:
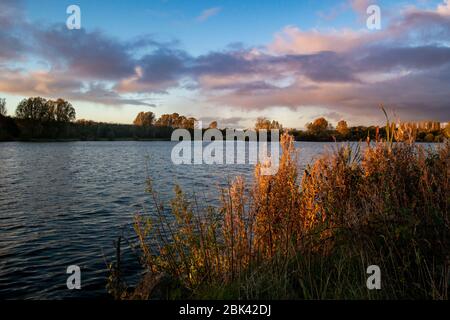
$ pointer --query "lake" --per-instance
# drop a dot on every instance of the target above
(65, 203)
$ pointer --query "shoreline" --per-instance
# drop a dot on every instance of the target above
(164, 139)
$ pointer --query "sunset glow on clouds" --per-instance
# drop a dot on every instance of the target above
(302, 72)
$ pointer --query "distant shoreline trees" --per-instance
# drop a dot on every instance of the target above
(40, 109)
(144, 119)
(342, 128)
(3, 107)
(175, 120)
(319, 126)
(213, 125)
(266, 124)
(37, 118)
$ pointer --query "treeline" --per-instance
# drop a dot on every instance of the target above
(37, 118)
(321, 130)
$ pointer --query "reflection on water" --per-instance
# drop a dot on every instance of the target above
(65, 203)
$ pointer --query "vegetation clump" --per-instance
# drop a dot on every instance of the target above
(282, 237)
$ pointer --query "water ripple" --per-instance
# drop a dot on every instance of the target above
(65, 203)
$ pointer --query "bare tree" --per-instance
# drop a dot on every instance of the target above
(2, 107)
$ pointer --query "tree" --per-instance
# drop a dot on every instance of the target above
(35, 108)
(262, 123)
(63, 111)
(188, 123)
(342, 128)
(2, 107)
(318, 127)
(266, 124)
(144, 119)
(43, 110)
(213, 125)
(166, 120)
(429, 137)
(174, 120)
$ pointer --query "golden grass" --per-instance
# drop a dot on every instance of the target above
(283, 238)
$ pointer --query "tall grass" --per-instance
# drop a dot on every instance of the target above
(285, 238)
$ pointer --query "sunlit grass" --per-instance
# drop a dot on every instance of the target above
(285, 238)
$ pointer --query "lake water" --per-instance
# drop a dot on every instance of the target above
(64, 204)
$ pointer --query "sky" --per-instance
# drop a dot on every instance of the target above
(231, 61)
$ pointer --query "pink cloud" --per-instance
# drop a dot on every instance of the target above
(292, 40)
(208, 13)
(444, 8)
(407, 65)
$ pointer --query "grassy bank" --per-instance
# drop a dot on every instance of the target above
(282, 237)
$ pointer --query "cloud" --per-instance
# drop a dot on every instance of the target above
(333, 12)
(360, 6)
(406, 65)
(225, 122)
(444, 8)
(100, 93)
(208, 13)
(292, 40)
(345, 71)
(11, 45)
(98, 62)
(156, 71)
(11, 13)
(90, 55)
(54, 85)
(36, 82)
